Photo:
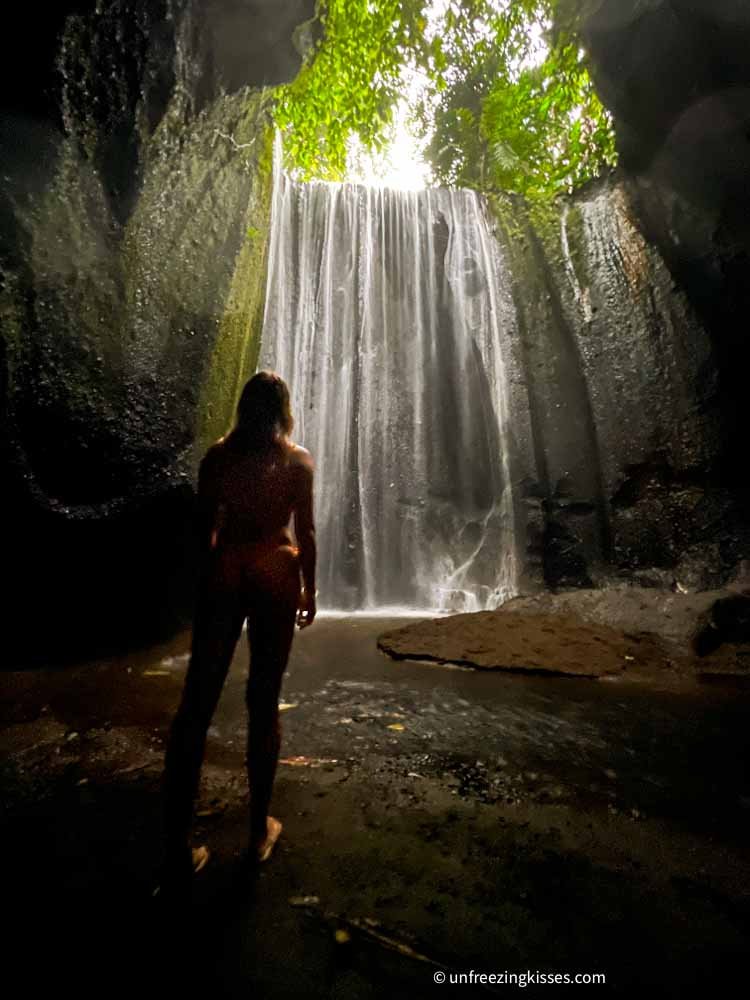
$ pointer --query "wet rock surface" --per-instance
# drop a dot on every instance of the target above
(642, 633)
(676, 80)
(615, 364)
(531, 643)
(133, 219)
(433, 818)
(675, 618)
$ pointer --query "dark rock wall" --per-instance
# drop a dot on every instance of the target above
(133, 226)
(622, 391)
(676, 76)
(560, 472)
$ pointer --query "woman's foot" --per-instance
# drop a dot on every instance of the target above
(264, 849)
(200, 856)
(178, 869)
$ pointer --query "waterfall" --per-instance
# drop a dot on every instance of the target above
(388, 314)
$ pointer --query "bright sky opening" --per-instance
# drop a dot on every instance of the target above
(402, 165)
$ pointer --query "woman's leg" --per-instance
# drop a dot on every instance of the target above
(216, 629)
(272, 610)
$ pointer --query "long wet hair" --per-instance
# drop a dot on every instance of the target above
(264, 415)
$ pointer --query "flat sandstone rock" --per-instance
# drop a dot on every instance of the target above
(530, 643)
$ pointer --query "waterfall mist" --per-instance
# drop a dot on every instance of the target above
(387, 313)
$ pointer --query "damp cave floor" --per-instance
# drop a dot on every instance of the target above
(435, 819)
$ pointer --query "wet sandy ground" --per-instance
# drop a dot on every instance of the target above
(434, 819)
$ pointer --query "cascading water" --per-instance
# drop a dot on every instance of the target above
(387, 313)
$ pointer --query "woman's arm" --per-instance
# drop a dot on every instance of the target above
(304, 529)
(206, 507)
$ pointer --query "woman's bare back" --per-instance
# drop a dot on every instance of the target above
(248, 500)
(253, 495)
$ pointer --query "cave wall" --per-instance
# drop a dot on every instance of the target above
(620, 380)
(633, 301)
(133, 227)
(676, 76)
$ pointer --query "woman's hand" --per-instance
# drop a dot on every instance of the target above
(306, 609)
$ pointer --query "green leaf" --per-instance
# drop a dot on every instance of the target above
(495, 117)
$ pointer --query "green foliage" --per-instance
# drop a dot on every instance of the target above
(507, 104)
(520, 112)
(351, 81)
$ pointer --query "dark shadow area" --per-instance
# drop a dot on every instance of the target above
(602, 828)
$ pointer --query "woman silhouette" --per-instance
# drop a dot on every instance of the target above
(249, 485)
